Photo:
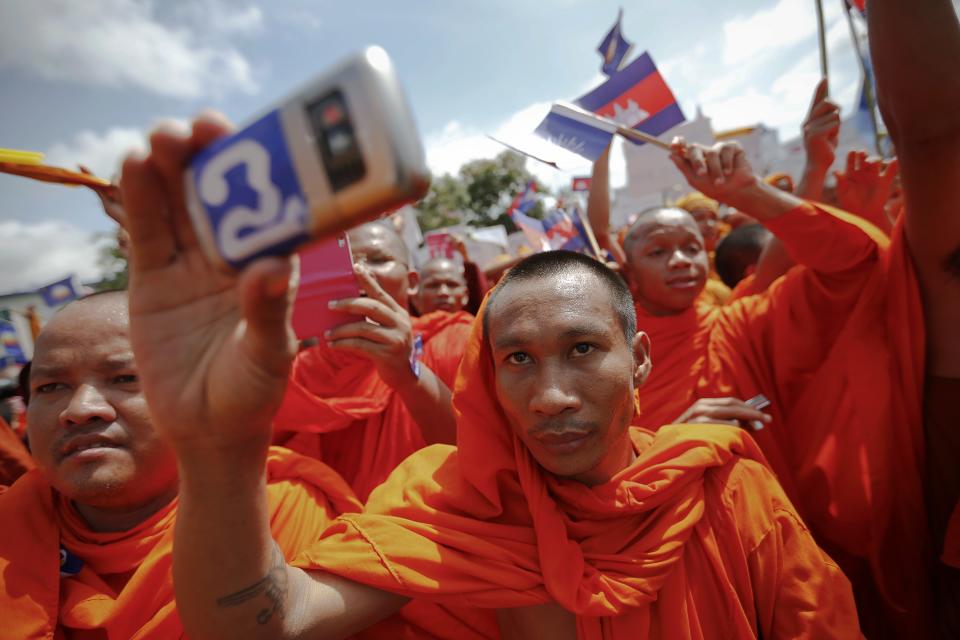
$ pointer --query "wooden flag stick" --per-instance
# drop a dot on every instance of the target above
(592, 238)
(824, 67)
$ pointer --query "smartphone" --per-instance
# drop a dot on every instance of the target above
(326, 273)
(338, 152)
(758, 402)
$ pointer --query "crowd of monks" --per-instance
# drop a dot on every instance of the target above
(575, 451)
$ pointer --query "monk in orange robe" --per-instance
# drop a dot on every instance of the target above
(443, 287)
(15, 460)
(87, 543)
(913, 47)
(554, 511)
(363, 400)
(835, 345)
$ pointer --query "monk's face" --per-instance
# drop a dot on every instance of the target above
(442, 287)
(565, 374)
(707, 220)
(384, 254)
(667, 262)
(88, 424)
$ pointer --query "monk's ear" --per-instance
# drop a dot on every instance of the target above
(642, 364)
(413, 283)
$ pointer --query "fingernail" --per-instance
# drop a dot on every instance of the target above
(332, 304)
(767, 418)
(719, 181)
(326, 334)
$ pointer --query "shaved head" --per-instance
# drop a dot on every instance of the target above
(443, 286)
(655, 217)
(379, 247)
(386, 234)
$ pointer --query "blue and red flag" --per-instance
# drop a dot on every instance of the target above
(532, 228)
(565, 231)
(576, 131)
(581, 183)
(614, 48)
(637, 97)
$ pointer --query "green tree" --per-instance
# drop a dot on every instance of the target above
(114, 265)
(443, 205)
(482, 190)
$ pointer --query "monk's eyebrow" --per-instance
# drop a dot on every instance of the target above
(571, 333)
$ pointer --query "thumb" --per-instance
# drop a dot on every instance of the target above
(266, 304)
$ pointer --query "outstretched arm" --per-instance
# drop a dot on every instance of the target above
(214, 352)
(915, 48)
(598, 206)
(821, 132)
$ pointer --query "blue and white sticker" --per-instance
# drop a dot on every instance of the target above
(248, 188)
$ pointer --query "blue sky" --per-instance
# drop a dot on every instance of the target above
(82, 81)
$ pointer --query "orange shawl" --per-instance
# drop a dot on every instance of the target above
(837, 346)
(15, 460)
(125, 587)
(693, 540)
(337, 409)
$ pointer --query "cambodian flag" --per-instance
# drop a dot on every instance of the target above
(581, 183)
(576, 131)
(60, 292)
(565, 231)
(614, 48)
(637, 97)
(532, 228)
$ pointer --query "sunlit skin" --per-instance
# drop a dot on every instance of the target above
(666, 261)
(442, 287)
(385, 256)
(566, 378)
(88, 424)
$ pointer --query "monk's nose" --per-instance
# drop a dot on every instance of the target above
(87, 404)
(553, 395)
(679, 258)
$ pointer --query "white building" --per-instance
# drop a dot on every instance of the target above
(652, 179)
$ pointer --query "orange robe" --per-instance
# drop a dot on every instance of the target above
(693, 540)
(15, 460)
(337, 409)
(837, 346)
(124, 588)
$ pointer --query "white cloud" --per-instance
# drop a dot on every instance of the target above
(34, 255)
(123, 43)
(101, 153)
(787, 23)
(456, 144)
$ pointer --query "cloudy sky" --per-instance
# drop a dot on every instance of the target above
(82, 81)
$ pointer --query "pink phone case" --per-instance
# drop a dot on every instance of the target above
(326, 273)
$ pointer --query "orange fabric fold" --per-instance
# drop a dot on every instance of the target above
(337, 409)
(693, 540)
(837, 346)
(125, 586)
(15, 460)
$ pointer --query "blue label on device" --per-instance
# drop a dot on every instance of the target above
(249, 190)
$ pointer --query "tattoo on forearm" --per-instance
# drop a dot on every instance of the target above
(273, 586)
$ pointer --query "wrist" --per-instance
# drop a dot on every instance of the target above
(214, 456)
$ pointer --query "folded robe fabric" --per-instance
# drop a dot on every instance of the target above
(15, 460)
(125, 586)
(837, 347)
(693, 540)
(337, 409)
